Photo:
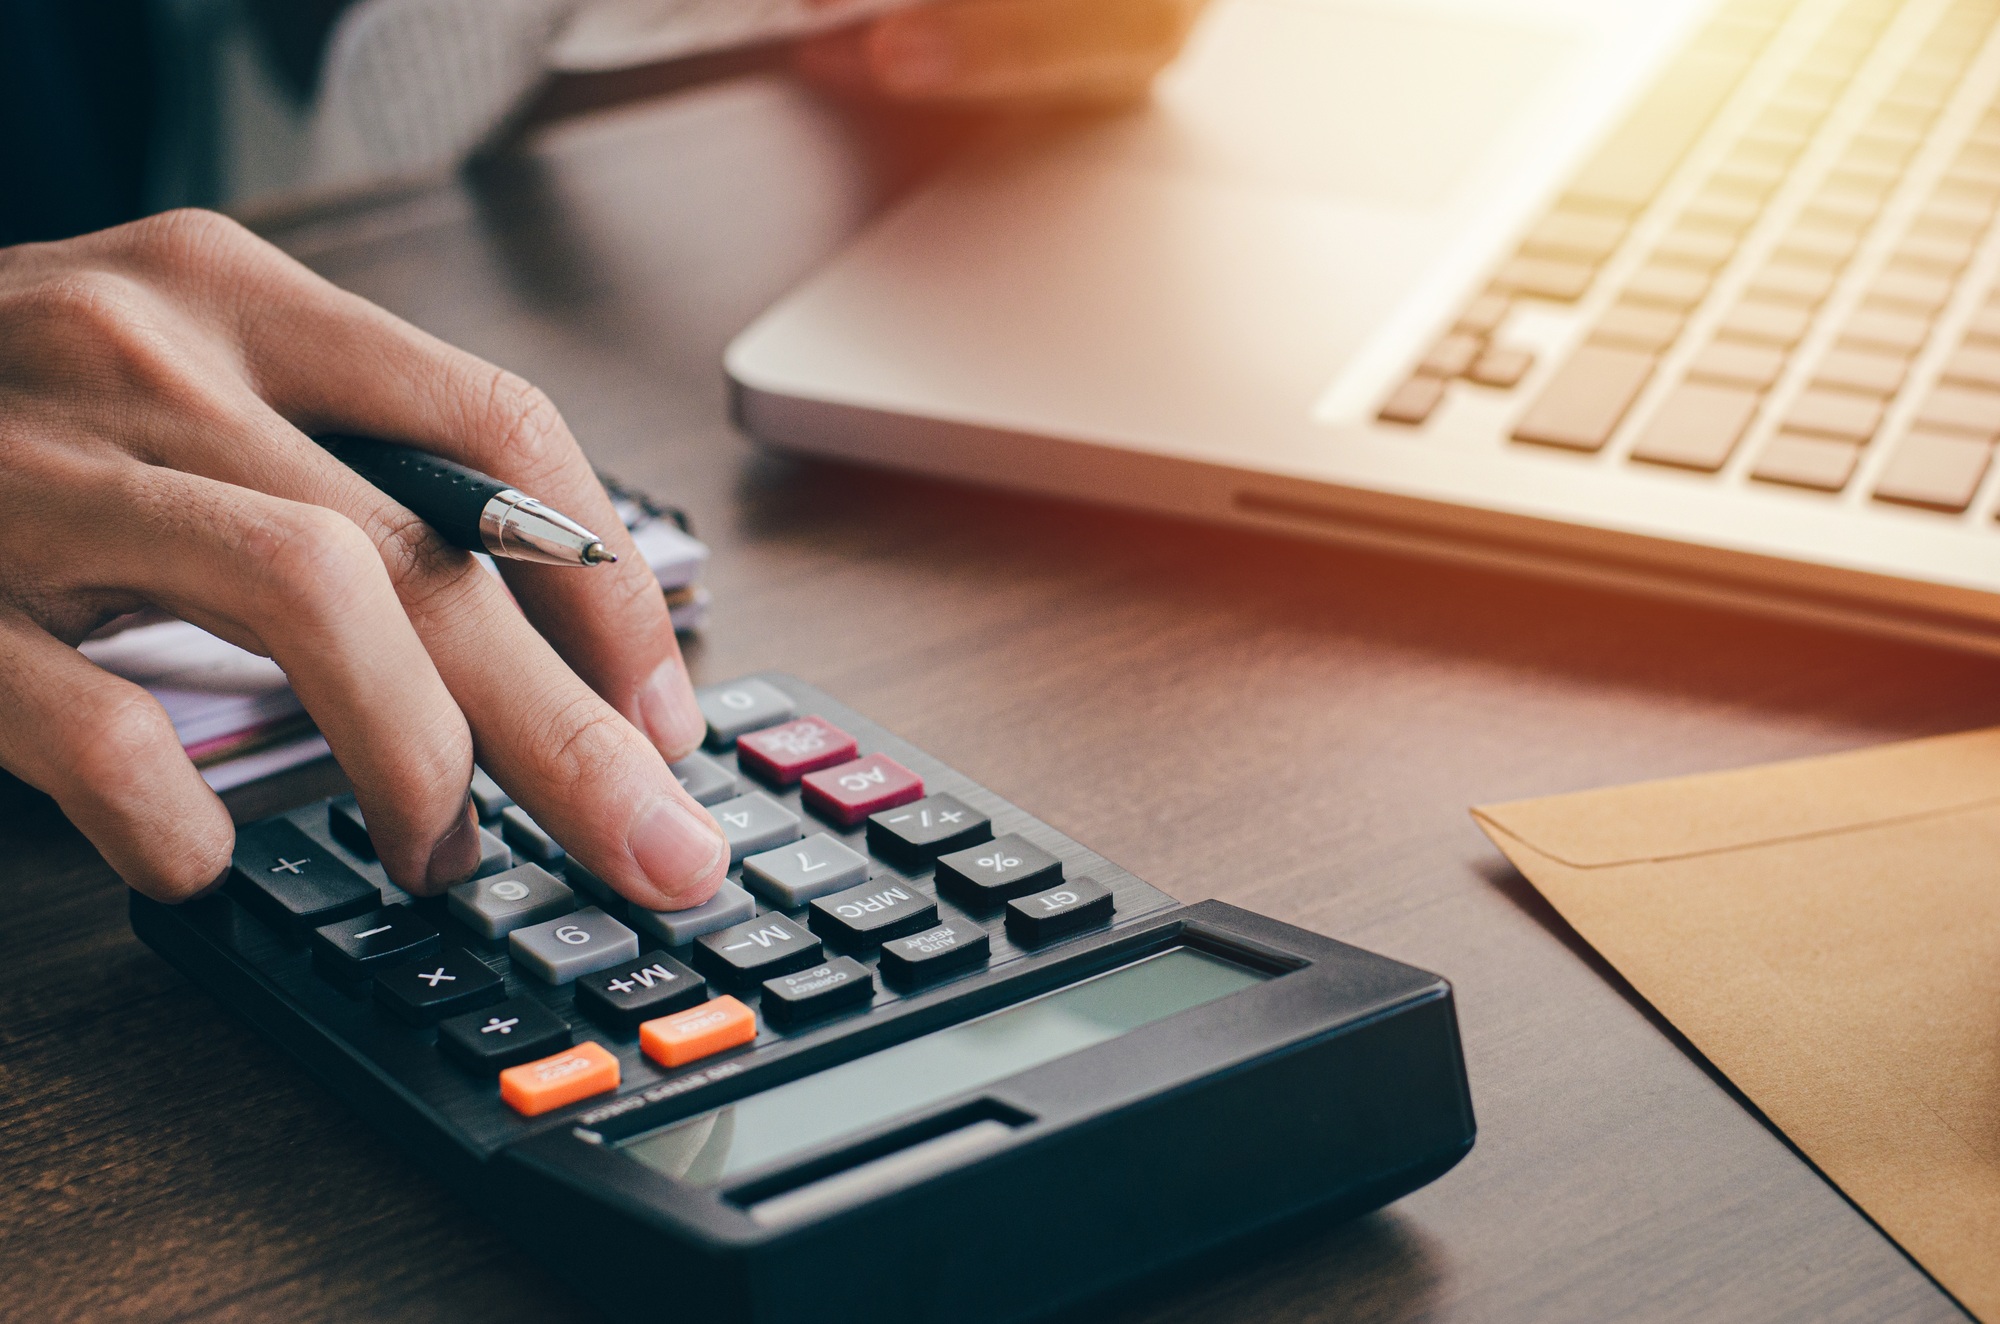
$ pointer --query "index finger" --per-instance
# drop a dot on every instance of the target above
(378, 374)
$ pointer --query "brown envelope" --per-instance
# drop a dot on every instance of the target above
(1828, 933)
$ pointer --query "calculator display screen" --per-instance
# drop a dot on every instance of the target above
(794, 1117)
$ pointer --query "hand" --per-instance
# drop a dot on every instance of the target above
(999, 51)
(158, 383)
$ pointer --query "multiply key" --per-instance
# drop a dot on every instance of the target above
(872, 912)
(1000, 870)
(916, 834)
(292, 881)
(433, 987)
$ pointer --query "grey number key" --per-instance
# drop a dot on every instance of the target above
(527, 838)
(494, 907)
(579, 944)
(704, 779)
(730, 905)
(738, 709)
(494, 857)
(792, 875)
(755, 822)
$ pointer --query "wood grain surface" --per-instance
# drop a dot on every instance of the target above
(1294, 728)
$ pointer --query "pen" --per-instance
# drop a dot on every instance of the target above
(469, 509)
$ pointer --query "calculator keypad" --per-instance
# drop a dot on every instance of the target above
(756, 950)
(730, 905)
(755, 823)
(494, 907)
(504, 1035)
(736, 710)
(915, 834)
(425, 990)
(872, 912)
(849, 792)
(352, 949)
(293, 881)
(793, 875)
(866, 891)
(557, 951)
(997, 871)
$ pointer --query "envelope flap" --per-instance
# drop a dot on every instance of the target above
(1721, 811)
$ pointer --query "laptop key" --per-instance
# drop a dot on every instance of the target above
(1821, 463)
(1586, 399)
(1845, 415)
(1935, 470)
(1698, 426)
(1412, 402)
(1739, 363)
(1967, 409)
(1501, 366)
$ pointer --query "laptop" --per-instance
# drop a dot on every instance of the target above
(1691, 298)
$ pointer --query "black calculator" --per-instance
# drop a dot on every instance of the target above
(924, 1058)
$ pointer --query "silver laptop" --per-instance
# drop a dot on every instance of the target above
(1692, 298)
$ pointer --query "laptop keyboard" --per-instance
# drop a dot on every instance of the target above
(1778, 256)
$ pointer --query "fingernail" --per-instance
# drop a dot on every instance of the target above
(667, 709)
(457, 853)
(680, 850)
(914, 56)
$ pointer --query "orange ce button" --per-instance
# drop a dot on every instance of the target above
(534, 1088)
(698, 1032)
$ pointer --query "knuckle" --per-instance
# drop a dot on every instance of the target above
(310, 558)
(187, 238)
(421, 565)
(580, 738)
(526, 427)
(111, 741)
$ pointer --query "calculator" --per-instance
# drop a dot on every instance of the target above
(922, 1058)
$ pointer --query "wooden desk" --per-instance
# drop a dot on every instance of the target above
(1294, 728)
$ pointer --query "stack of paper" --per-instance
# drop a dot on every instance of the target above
(235, 712)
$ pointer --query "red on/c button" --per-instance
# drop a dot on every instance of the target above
(849, 793)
